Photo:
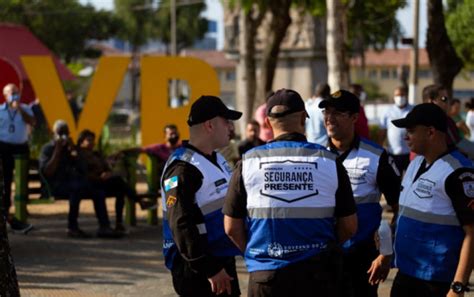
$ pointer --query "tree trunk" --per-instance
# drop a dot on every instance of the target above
(249, 21)
(279, 23)
(444, 61)
(8, 279)
(134, 76)
(338, 63)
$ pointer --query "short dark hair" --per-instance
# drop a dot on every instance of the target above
(404, 89)
(454, 101)
(322, 90)
(83, 135)
(171, 127)
(431, 92)
(254, 123)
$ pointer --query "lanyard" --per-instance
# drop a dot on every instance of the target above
(12, 117)
(11, 127)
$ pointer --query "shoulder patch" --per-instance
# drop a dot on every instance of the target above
(171, 201)
(468, 187)
(171, 183)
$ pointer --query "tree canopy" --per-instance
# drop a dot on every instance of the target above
(190, 25)
(460, 26)
(64, 26)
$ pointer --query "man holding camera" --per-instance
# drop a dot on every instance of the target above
(14, 117)
(65, 173)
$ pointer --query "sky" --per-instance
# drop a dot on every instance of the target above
(215, 12)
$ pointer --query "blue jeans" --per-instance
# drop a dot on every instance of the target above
(75, 190)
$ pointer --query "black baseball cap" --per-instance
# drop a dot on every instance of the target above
(286, 97)
(208, 107)
(342, 100)
(425, 114)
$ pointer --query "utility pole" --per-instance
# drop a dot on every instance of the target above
(414, 55)
(173, 91)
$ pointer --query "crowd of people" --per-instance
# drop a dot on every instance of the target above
(299, 197)
(307, 217)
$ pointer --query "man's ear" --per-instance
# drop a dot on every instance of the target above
(266, 120)
(355, 117)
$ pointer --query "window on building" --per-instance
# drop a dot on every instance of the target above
(394, 73)
(385, 73)
(230, 75)
(373, 73)
(424, 73)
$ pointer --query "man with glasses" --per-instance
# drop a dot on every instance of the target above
(438, 95)
(370, 174)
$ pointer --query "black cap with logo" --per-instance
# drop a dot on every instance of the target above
(285, 97)
(425, 114)
(209, 107)
(343, 101)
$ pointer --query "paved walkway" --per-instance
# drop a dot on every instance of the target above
(49, 264)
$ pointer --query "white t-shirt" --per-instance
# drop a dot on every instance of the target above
(396, 136)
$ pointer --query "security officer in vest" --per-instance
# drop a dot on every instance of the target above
(434, 240)
(194, 183)
(370, 173)
(289, 204)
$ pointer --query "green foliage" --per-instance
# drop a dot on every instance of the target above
(64, 26)
(460, 26)
(372, 23)
(137, 18)
(190, 26)
(372, 89)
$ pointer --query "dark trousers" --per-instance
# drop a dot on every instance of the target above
(7, 154)
(319, 276)
(188, 283)
(401, 161)
(405, 285)
(75, 190)
(115, 186)
(356, 263)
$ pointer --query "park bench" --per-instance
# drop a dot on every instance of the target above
(31, 187)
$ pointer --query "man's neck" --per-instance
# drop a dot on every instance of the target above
(204, 146)
(344, 144)
(435, 152)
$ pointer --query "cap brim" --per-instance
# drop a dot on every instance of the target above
(325, 103)
(232, 115)
(402, 123)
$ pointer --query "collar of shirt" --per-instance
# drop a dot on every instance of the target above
(423, 168)
(294, 136)
(4, 106)
(212, 157)
(354, 145)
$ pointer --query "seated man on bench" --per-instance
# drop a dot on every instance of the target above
(100, 175)
(65, 173)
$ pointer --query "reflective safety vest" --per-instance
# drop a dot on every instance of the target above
(429, 236)
(362, 165)
(210, 200)
(291, 190)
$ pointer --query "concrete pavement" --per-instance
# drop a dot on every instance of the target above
(49, 264)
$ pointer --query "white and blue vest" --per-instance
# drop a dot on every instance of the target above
(429, 236)
(291, 190)
(362, 165)
(210, 200)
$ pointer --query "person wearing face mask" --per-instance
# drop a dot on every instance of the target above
(396, 145)
(14, 118)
